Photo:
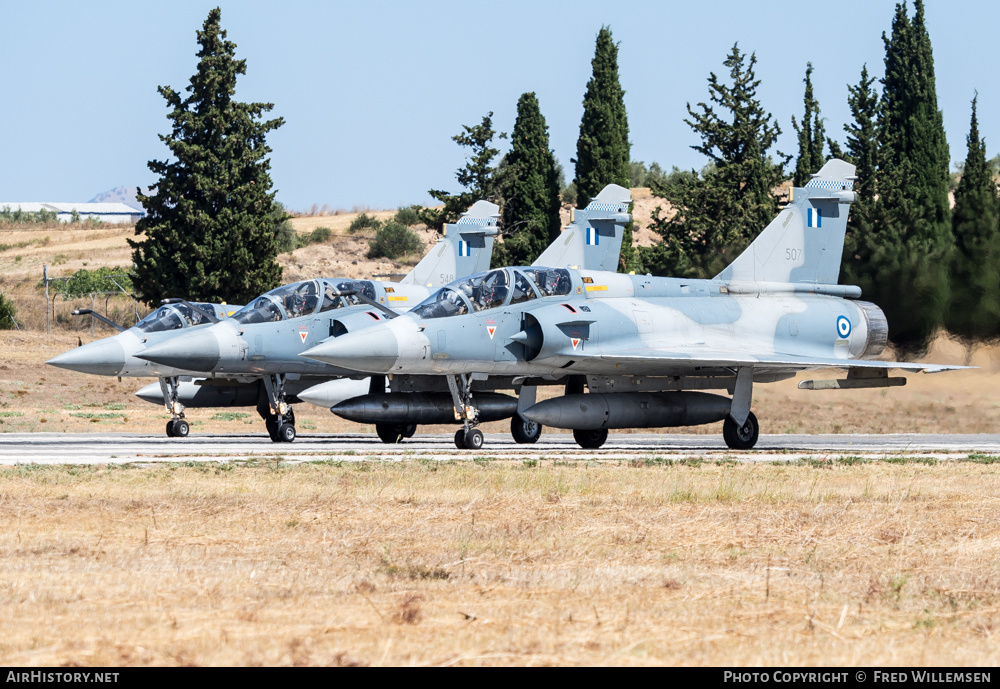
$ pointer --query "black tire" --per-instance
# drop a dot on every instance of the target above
(286, 433)
(474, 439)
(170, 428)
(271, 424)
(460, 438)
(524, 431)
(409, 430)
(388, 433)
(181, 428)
(741, 438)
(590, 440)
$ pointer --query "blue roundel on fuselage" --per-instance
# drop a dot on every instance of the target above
(843, 327)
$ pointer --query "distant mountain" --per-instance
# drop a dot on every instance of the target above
(124, 195)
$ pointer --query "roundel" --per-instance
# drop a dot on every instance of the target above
(843, 326)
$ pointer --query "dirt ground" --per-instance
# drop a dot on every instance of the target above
(495, 563)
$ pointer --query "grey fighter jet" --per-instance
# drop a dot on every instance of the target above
(116, 355)
(252, 359)
(648, 347)
(257, 350)
(592, 241)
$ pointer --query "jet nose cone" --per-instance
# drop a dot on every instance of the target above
(194, 352)
(102, 358)
(374, 350)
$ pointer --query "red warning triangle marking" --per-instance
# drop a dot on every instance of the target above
(303, 334)
(576, 341)
(491, 329)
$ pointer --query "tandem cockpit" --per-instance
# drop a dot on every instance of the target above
(177, 316)
(304, 299)
(495, 288)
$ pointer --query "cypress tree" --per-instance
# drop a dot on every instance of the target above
(719, 212)
(477, 176)
(530, 189)
(911, 241)
(210, 222)
(862, 151)
(603, 149)
(811, 136)
(974, 313)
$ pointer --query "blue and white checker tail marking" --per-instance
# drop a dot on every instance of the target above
(465, 248)
(593, 240)
(805, 243)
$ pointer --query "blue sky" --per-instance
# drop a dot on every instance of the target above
(372, 92)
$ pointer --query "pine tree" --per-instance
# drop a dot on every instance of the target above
(210, 222)
(811, 136)
(529, 189)
(911, 240)
(974, 313)
(477, 176)
(862, 152)
(719, 212)
(603, 149)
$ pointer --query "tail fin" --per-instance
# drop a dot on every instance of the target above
(465, 248)
(805, 242)
(593, 239)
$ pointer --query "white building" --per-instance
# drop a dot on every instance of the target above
(103, 212)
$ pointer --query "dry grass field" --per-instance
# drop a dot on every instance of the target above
(495, 563)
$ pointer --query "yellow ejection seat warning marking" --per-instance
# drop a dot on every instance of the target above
(597, 288)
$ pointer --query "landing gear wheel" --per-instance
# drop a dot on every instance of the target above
(409, 430)
(286, 433)
(389, 433)
(741, 438)
(170, 428)
(590, 440)
(180, 428)
(474, 439)
(271, 424)
(460, 438)
(524, 431)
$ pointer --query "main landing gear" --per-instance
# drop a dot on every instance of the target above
(177, 427)
(279, 419)
(740, 429)
(392, 433)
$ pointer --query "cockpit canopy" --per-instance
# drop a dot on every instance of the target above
(494, 288)
(174, 317)
(304, 299)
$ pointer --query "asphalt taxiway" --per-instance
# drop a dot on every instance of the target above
(92, 448)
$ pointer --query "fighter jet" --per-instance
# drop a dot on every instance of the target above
(648, 347)
(116, 355)
(252, 359)
(257, 350)
(592, 240)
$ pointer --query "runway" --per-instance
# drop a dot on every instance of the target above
(93, 448)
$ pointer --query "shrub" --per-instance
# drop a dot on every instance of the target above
(408, 216)
(394, 240)
(319, 236)
(364, 222)
(7, 313)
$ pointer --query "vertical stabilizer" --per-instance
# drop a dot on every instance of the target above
(804, 244)
(465, 248)
(593, 239)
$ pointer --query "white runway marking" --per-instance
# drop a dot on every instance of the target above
(87, 448)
